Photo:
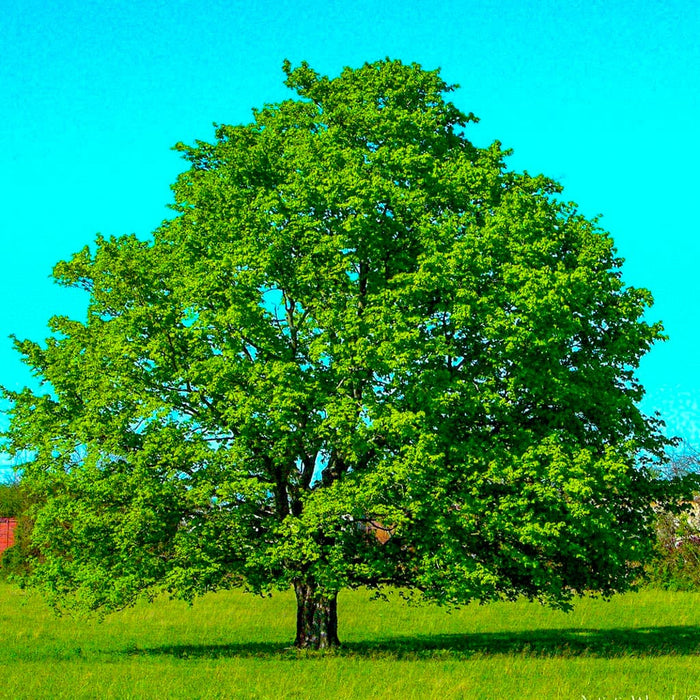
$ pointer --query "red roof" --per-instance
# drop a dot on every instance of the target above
(7, 533)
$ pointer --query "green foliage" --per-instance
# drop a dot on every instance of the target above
(12, 499)
(15, 502)
(676, 565)
(354, 315)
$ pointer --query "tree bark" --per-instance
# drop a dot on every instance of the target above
(317, 617)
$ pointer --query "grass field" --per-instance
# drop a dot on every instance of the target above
(231, 645)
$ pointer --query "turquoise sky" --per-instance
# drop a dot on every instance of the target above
(602, 96)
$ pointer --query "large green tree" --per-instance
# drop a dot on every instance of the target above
(356, 321)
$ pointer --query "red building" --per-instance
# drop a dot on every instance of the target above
(7, 533)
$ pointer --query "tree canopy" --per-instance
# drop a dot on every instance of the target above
(356, 320)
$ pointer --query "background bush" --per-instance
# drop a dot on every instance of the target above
(677, 564)
(11, 499)
(14, 503)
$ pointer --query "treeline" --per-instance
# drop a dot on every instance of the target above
(677, 562)
(11, 500)
(675, 567)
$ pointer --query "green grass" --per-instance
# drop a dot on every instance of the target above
(231, 645)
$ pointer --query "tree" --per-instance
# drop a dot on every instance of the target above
(677, 562)
(11, 499)
(355, 319)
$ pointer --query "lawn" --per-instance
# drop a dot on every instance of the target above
(230, 645)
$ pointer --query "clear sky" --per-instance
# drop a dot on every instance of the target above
(601, 95)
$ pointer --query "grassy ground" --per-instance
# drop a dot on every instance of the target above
(231, 645)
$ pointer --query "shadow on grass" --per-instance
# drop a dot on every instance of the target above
(562, 643)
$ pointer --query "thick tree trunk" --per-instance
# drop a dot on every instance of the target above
(317, 617)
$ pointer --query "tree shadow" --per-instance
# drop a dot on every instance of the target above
(562, 643)
(550, 643)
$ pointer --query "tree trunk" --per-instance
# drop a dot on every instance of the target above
(317, 617)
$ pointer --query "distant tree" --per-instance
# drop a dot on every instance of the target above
(355, 319)
(11, 499)
(677, 562)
